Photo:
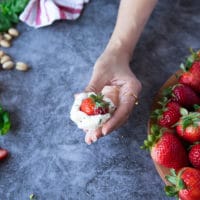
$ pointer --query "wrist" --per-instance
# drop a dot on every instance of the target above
(119, 48)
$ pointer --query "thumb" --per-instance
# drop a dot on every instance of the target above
(95, 85)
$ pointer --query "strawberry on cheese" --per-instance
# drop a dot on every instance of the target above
(90, 111)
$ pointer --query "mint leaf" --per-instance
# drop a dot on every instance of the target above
(5, 122)
(9, 12)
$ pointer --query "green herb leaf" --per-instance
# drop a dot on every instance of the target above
(5, 123)
(9, 12)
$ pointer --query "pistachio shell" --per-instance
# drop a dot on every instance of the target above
(14, 32)
(1, 36)
(7, 36)
(1, 54)
(21, 66)
(5, 58)
(8, 65)
(4, 43)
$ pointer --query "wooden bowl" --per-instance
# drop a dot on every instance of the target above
(162, 171)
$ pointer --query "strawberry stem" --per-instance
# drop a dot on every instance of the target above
(194, 56)
(98, 100)
(177, 183)
(192, 118)
(153, 137)
(196, 107)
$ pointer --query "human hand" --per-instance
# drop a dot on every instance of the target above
(112, 68)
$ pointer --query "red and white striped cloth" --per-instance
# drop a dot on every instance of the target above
(40, 13)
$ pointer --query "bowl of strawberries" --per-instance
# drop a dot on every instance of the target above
(174, 131)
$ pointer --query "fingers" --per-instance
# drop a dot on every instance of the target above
(121, 115)
(100, 78)
(127, 100)
(88, 138)
(95, 84)
(93, 136)
(114, 123)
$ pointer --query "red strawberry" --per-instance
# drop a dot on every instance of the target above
(188, 126)
(168, 115)
(3, 154)
(183, 95)
(166, 149)
(194, 155)
(87, 106)
(191, 76)
(94, 105)
(101, 110)
(185, 185)
(191, 80)
(195, 68)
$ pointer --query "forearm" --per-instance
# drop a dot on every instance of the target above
(132, 17)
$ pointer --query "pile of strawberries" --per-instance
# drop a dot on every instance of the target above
(174, 141)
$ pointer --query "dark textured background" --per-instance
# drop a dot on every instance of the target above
(48, 156)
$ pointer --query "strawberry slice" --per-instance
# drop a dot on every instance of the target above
(3, 154)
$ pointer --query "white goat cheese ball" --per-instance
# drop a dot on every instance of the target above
(89, 122)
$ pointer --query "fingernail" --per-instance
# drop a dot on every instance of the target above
(89, 143)
(104, 132)
(88, 140)
(94, 138)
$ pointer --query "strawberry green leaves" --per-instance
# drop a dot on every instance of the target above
(152, 138)
(194, 56)
(9, 12)
(191, 71)
(5, 123)
(177, 184)
(185, 184)
(94, 105)
(98, 99)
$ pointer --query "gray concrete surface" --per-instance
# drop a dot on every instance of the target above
(48, 156)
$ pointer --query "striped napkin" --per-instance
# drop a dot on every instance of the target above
(39, 13)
